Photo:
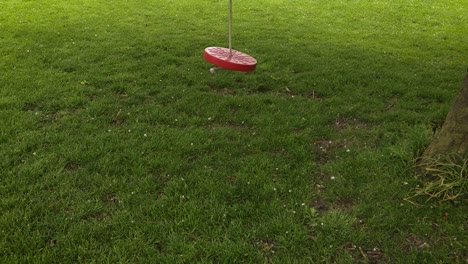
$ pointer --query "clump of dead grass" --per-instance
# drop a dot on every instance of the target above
(446, 179)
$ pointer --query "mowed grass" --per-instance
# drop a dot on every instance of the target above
(118, 145)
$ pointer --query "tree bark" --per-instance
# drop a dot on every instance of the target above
(452, 138)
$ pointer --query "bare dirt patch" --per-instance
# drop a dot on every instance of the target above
(366, 255)
(325, 148)
(414, 242)
(343, 124)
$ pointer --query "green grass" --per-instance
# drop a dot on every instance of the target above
(117, 145)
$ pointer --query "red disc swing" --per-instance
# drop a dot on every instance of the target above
(228, 58)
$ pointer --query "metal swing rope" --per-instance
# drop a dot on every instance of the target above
(230, 28)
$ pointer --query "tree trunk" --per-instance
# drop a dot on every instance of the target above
(453, 136)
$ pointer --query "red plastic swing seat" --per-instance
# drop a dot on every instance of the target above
(231, 60)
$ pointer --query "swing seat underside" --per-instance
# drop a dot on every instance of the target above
(230, 59)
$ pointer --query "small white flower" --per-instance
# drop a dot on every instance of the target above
(332, 178)
(145, 135)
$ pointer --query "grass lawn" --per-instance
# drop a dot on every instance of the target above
(119, 146)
